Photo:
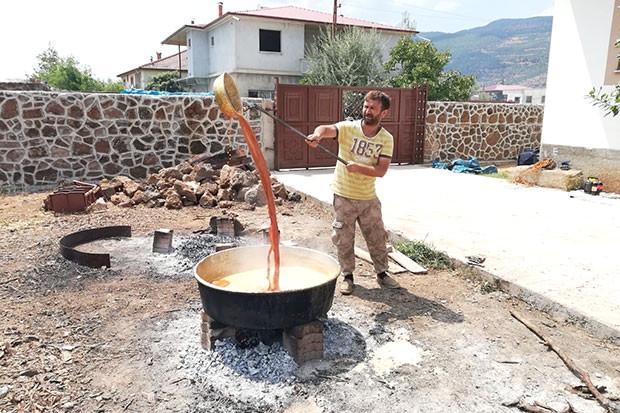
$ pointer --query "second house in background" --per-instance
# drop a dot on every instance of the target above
(256, 46)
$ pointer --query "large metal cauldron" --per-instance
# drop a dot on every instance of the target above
(265, 310)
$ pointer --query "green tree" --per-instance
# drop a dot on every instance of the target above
(352, 57)
(608, 102)
(414, 61)
(65, 73)
(166, 82)
(114, 87)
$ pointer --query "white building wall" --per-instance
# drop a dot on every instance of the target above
(197, 63)
(288, 61)
(577, 61)
(537, 96)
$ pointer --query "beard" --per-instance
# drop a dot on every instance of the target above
(371, 120)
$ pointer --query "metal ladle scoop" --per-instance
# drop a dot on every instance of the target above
(227, 98)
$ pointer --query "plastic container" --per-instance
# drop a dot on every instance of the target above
(593, 186)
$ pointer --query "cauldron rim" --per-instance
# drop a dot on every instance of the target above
(208, 284)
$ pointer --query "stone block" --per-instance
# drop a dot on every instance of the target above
(559, 179)
(553, 178)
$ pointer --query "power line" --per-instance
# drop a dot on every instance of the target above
(435, 14)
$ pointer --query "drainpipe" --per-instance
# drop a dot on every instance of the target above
(179, 46)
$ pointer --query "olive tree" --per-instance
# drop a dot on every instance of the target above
(412, 61)
(351, 57)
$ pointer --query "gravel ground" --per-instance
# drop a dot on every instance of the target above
(127, 338)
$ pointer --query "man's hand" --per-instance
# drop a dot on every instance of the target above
(313, 140)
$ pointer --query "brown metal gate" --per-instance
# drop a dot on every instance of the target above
(306, 107)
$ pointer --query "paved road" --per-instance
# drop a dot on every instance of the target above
(557, 250)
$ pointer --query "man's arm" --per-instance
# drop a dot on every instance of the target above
(377, 170)
(320, 132)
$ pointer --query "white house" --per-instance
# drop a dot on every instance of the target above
(141, 75)
(516, 94)
(583, 56)
(256, 46)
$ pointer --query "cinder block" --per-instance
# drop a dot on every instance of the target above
(304, 342)
(211, 331)
(301, 330)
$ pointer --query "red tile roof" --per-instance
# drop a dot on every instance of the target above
(503, 87)
(311, 16)
(169, 63)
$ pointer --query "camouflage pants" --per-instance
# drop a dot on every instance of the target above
(367, 214)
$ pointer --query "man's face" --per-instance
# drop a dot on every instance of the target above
(372, 112)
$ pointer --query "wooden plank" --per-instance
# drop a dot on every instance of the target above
(407, 262)
(392, 267)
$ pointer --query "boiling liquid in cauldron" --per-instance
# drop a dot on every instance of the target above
(254, 281)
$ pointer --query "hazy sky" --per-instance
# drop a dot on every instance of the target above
(117, 36)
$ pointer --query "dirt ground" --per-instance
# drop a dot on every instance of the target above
(127, 338)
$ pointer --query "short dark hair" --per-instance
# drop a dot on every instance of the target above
(379, 96)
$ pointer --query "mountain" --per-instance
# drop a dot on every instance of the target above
(506, 51)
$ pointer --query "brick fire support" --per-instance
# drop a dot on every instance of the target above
(303, 342)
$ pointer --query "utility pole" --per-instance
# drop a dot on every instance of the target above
(334, 18)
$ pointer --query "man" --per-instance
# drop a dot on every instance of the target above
(367, 147)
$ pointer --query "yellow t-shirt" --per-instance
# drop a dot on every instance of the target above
(354, 146)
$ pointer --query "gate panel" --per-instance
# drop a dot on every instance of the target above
(324, 105)
(393, 114)
(324, 109)
(305, 107)
(292, 105)
(293, 150)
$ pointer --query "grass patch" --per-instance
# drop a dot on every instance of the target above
(468, 273)
(500, 175)
(425, 255)
(471, 274)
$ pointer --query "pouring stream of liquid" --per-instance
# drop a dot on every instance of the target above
(263, 173)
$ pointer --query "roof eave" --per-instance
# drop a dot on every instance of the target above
(178, 38)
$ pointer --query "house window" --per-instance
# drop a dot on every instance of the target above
(528, 99)
(263, 94)
(269, 40)
(542, 100)
(517, 99)
(212, 41)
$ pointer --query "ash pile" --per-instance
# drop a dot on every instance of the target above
(207, 182)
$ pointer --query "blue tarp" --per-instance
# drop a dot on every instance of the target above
(134, 91)
(470, 165)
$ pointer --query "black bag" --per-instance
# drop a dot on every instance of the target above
(528, 157)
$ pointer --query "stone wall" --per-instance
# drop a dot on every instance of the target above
(48, 137)
(487, 131)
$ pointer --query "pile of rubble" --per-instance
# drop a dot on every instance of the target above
(187, 184)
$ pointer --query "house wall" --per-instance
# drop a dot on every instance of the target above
(236, 45)
(574, 129)
(49, 137)
(248, 58)
(537, 96)
(146, 75)
(198, 63)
